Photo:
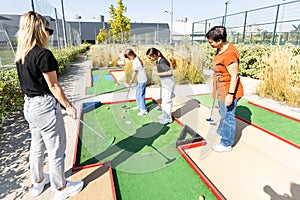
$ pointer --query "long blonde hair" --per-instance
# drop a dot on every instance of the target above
(31, 32)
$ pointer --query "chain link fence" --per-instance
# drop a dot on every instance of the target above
(64, 34)
(277, 24)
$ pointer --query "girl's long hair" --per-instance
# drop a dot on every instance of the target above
(31, 32)
(130, 52)
(153, 51)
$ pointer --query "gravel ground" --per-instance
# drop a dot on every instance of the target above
(15, 141)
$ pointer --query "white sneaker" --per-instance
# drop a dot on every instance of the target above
(72, 188)
(221, 148)
(38, 188)
(135, 108)
(166, 121)
(142, 112)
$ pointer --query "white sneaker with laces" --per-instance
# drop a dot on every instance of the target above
(38, 188)
(71, 189)
(142, 112)
(221, 148)
(135, 108)
(166, 121)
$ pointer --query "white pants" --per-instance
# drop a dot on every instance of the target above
(167, 94)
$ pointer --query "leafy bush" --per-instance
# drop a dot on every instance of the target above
(277, 66)
(11, 97)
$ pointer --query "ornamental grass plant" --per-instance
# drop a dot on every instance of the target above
(280, 75)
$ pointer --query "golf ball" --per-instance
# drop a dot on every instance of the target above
(107, 108)
(201, 197)
(128, 122)
(122, 116)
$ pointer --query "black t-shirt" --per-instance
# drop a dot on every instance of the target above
(163, 65)
(38, 61)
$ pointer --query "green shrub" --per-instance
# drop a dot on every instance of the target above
(11, 97)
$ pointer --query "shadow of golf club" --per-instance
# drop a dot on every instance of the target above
(144, 136)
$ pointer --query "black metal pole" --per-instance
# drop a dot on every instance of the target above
(224, 19)
(245, 24)
(275, 25)
(32, 5)
(64, 24)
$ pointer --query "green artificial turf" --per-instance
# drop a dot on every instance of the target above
(282, 126)
(146, 162)
(135, 136)
(104, 86)
(177, 182)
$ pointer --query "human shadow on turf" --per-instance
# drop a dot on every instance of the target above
(144, 136)
(246, 114)
(187, 107)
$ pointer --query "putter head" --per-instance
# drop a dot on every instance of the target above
(110, 141)
(170, 160)
(209, 120)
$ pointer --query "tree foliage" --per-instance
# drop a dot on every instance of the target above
(119, 23)
(103, 36)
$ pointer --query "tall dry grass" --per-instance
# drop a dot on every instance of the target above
(106, 55)
(187, 61)
(280, 75)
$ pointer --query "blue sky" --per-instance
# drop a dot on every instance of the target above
(142, 10)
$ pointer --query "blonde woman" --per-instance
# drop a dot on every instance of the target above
(37, 71)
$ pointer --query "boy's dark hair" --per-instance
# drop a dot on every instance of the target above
(217, 33)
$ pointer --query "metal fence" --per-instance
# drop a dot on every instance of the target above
(277, 24)
(64, 34)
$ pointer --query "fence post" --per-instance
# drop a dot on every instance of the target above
(275, 25)
(205, 30)
(193, 29)
(245, 24)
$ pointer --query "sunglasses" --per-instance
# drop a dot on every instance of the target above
(49, 30)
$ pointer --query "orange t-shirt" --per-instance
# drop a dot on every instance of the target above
(222, 77)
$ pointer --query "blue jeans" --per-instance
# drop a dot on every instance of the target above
(43, 113)
(140, 95)
(227, 126)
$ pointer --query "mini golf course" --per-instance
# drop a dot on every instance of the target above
(144, 158)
